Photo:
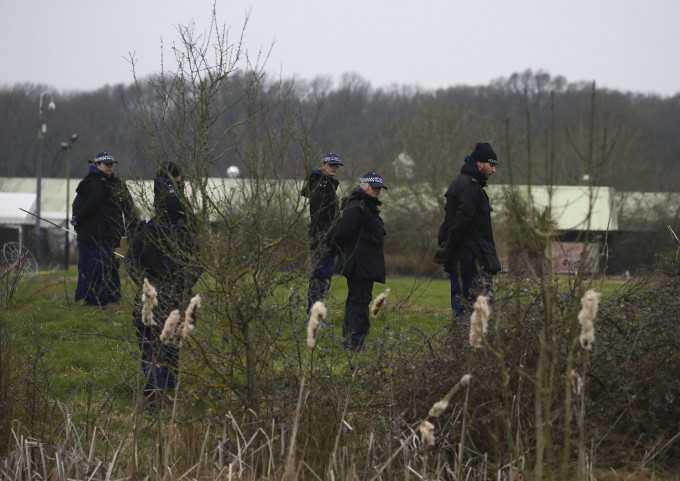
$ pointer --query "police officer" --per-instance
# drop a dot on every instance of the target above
(467, 248)
(164, 251)
(102, 213)
(323, 213)
(360, 236)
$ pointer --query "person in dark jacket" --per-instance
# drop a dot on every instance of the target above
(466, 245)
(359, 236)
(165, 253)
(168, 182)
(323, 213)
(103, 212)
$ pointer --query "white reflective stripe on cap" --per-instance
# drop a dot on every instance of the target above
(104, 158)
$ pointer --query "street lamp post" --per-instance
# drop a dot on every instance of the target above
(67, 243)
(42, 130)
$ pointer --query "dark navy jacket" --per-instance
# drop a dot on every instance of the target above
(103, 209)
(323, 206)
(466, 233)
(166, 254)
(359, 236)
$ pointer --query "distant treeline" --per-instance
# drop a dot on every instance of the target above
(544, 128)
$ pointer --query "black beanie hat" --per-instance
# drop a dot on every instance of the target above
(169, 169)
(484, 153)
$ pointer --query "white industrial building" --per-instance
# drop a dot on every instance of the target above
(574, 209)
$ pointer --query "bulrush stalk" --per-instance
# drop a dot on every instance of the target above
(576, 382)
(169, 327)
(440, 406)
(463, 427)
(479, 321)
(149, 299)
(379, 301)
(589, 302)
(316, 317)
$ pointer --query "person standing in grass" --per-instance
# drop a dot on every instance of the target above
(103, 212)
(466, 245)
(359, 236)
(164, 252)
(323, 213)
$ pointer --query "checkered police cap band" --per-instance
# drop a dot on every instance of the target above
(331, 158)
(105, 157)
(371, 180)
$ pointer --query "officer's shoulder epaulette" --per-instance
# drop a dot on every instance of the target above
(472, 179)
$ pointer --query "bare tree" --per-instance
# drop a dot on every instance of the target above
(217, 109)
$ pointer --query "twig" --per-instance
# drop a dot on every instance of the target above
(676, 239)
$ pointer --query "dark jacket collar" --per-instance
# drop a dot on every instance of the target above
(473, 171)
(321, 175)
(95, 171)
(359, 193)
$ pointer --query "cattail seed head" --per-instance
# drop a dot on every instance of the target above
(317, 314)
(426, 429)
(169, 327)
(149, 300)
(183, 332)
(441, 406)
(479, 321)
(189, 324)
(438, 408)
(190, 313)
(379, 301)
(589, 304)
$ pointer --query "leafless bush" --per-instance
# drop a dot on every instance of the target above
(213, 111)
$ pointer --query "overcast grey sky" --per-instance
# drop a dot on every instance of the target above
(629, 45)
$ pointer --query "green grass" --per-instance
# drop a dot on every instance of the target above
(86, 351)
(418, 302)
(74, 345)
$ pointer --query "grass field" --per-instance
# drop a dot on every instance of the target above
(78, 371)
(76, 341)
(73, 342)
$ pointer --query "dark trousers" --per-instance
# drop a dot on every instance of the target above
(356, 323)
(160, 362)
(98, 277)
(465, 288)
(320, 280)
